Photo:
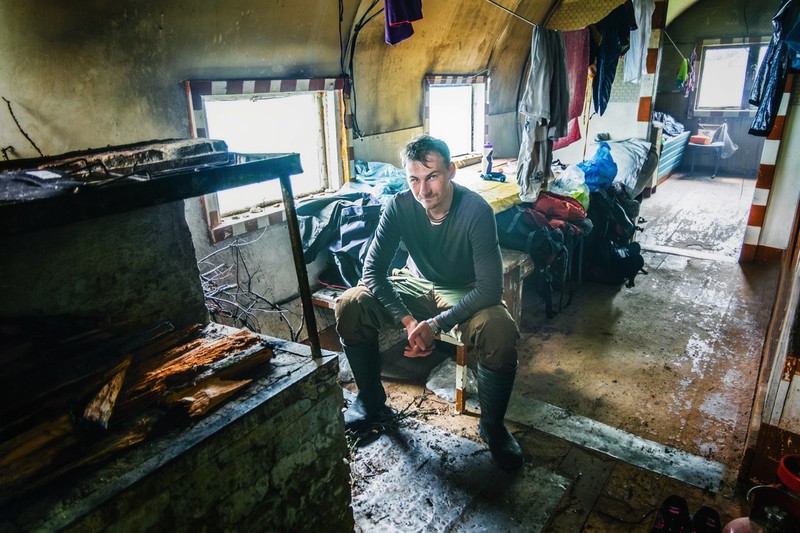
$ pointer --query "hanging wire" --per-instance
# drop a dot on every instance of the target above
(351, 49)
(673, 44)
(511, 12)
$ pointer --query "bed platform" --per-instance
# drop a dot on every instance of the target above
(672, 152)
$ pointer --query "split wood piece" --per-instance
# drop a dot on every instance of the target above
(29, 454)
(57, 383)
(200, 399)
(239, 365)
(204, 352)
(100, 407)
(57, 448)
(184, 364)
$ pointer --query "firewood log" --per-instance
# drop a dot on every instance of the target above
(203, 397)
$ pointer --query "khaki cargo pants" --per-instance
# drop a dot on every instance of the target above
(491, 334)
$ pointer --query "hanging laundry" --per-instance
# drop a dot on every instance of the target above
(683, 73)
(398, 16)
(792, 38)
(635, 59)
(771, 78)
(546, 93)
(534, 160)
(691, 80)
(577, 45)
(545, 104)
(611, 39)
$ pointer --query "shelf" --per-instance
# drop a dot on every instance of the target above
(43, 195)
(56, 190)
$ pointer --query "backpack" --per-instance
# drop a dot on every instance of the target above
(629, 205)
(517, 230)
(609, 218)
(618, 264)
(558, 207)
(611, 255)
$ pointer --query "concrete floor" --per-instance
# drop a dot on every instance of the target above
(623, 398)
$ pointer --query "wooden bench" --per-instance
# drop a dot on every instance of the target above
(516, 267)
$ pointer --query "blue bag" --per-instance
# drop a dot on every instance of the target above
(600, 171)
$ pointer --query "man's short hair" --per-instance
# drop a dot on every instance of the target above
(421, 148)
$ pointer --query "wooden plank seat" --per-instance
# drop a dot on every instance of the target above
(516, 267)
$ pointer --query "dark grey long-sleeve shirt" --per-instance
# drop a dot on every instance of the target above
(463, 251)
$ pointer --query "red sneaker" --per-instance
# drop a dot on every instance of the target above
(672, 516)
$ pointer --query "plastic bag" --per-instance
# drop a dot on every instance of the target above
(442, 382)
(572, 183)
(600, 170)
(728, 146)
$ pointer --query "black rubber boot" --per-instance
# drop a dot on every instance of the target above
(494, 391)
(370, 406)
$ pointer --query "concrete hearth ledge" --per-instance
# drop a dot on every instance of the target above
(68, 502)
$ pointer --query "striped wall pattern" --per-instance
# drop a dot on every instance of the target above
(197, 89)
(751, 251)
(456, 80)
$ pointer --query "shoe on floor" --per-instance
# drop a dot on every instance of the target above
(672, 516)
(706, 520)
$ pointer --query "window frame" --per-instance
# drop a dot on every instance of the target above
(341, 155)
(744, 109)
(461, 79)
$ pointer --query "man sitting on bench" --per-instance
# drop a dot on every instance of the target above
(454, 277)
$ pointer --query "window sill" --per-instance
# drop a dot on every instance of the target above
(243, 223)
(462, 161)
(733, 113)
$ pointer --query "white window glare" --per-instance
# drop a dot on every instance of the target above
(453, 111)
(726, 76)
(724, 71)
(270, 124)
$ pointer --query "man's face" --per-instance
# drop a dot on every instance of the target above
(430, 181)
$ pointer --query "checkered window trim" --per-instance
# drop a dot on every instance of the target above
(197, 89)
(455, 79)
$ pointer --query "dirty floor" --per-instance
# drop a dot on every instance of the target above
(626, 396)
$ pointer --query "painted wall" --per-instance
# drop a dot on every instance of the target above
(783, 198)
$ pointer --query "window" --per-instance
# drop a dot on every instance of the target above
(271, 116)
(279, 123)
(456, 108)
(726, 76)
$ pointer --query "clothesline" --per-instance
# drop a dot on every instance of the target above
(511, 12)
(534, 24)
(673, 44)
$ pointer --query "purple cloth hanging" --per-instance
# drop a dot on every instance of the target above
(399, 14)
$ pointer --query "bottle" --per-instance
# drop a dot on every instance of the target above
(486, 162)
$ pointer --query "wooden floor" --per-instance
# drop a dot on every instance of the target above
(667, 367)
